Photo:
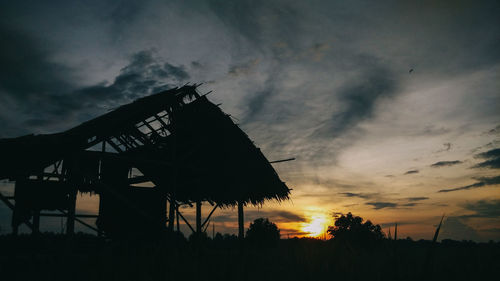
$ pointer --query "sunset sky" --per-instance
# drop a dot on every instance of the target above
(391, 108)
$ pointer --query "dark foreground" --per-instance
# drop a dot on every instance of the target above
(88, 258)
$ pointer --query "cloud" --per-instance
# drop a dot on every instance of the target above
(482, 181)
(243, 68)
(382, 205)
(482, 209)
(411, 172)
(359, 195)
(286, 216)
(490, 154)
(281, 216)
(26, 70)
(455, 228)
(446, 163)
(491, 164)
(412, 204)
(145, 74)
(493, 131)
(447, 147)
(45, 96)
(494, 230)
(414, 199)
(358, 99)
(29, 80)
(493, 161)
(292, 232)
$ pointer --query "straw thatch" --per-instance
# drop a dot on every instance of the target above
(191, 151)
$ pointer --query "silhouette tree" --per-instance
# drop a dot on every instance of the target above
(263, 232)
(352, 229)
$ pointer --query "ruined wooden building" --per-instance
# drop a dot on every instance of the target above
(178, 141)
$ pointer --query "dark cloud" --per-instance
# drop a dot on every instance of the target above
(411, 172)
(400, 223)
(456, 228)
(447, 147)
(494, 230)
(414, 199)
(276, 216)
(446, 163)
(382, 205)
(491, 164)
(49, 95)
(256, 104)
(490, 154)
(358, 99)
(493, 131)
(243, 68)
(30, 81)
(412, 204)
(259, 22)
(481, 182)
(291, 232)
(26, 71)
(272, 215)
(483, 209)
(359, 195)
(142, 76)
(493, 159)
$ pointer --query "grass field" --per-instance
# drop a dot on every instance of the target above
(53, 257)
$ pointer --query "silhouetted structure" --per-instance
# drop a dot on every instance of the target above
(177, 141)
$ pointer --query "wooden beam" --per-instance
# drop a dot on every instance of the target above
(138, 179)
(64, 215)
(209, 215)
(114, 145)
(80, 221)
(198, 216)
(185, 220)
(283, 160)
(205, 228)
(5, 200)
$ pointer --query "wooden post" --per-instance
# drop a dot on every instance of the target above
(241, 221)
(99, 232)
(171, 214)
(70, 222)
(36, 223)
(178, 227)
(198, 216)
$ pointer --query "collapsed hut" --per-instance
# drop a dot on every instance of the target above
(185, 147)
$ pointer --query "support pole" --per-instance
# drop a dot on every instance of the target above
(178, 227)
(241, 221)
(36, 223)
(198, 216)
(171, 214)
(70, 222)
(99, 231)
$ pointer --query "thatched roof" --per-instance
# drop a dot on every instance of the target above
(213, 159)
(178, 139)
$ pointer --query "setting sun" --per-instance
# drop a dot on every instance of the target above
(317, 225)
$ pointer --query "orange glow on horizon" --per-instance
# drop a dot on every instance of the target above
(317, 225)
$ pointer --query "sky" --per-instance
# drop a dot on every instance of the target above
(391, 108)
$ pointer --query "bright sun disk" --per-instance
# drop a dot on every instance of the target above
(316, 226)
